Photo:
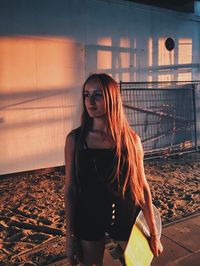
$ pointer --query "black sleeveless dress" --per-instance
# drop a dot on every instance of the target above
(100, 206)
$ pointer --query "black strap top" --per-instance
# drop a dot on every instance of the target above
(96, 170)
(96, 167)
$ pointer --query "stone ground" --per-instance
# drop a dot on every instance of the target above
(32, 220)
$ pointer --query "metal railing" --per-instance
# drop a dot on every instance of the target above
(163, 114)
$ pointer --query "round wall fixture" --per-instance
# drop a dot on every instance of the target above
(169, 44)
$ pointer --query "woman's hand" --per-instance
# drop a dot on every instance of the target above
(156, 245)
(73, 251)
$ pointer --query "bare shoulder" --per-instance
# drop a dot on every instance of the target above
(136, 138)
(71, 139)
(138, 145)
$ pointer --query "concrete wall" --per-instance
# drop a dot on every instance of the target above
(48, 48)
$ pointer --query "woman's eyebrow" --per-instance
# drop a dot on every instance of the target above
(95, 90)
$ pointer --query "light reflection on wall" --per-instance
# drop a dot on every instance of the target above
(117, 60)
(185, 51)
(135, 60)
(165, 57)
(185, 76)
(150, 78)
(164, 77)
(28, 62)
(124, 60)
(124, 63)
(39, 86)
(104, 41)
(126, 77)
(168, 59)
(104, 60)
(124, 42)
(150, 52)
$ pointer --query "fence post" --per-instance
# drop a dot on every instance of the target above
(120, 86)
(195, 120)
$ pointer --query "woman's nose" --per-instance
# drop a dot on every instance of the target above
(91, 99)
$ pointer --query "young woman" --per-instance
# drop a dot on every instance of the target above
(105, 180)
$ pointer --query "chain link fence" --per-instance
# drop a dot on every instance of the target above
(163, 114)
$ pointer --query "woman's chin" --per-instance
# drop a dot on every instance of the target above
(96, 114)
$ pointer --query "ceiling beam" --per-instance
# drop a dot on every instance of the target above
(178, 5)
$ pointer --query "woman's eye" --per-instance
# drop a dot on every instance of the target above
(98, 95)
(95, 96)
(86, 95)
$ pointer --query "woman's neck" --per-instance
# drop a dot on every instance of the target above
(100, 124)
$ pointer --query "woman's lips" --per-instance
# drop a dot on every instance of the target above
(92, 108)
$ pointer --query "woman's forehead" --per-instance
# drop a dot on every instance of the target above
(93, 85)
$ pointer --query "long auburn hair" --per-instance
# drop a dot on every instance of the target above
(124, 137)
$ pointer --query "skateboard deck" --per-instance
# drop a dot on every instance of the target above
(138, 251)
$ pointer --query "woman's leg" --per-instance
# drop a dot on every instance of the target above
(92, 252)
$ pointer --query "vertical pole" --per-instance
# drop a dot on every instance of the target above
(195, 121)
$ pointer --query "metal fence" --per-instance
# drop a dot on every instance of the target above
(163, 114)
(160, 85)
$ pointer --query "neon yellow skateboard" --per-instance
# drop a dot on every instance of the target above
(138, 251)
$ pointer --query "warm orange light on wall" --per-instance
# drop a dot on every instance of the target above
(185, 51)
(124, 42)
(104, 59)
(165, 77)
(124, 60)
(150, 52)
(44, 62)
(105, 41)
(40, 82)
(165, 57)
(185, 76)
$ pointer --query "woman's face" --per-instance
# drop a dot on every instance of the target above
(94, 99)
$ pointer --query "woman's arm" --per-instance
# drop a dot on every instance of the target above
(70, 195)
(146, 204)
